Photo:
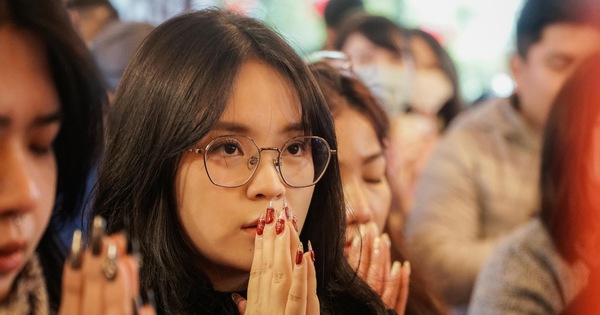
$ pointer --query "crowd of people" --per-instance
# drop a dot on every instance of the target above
(203, 166)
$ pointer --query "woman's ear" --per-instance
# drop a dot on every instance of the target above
(516, 68)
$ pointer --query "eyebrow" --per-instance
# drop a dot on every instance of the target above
(40, 121)
(241, 128)
(373, 157)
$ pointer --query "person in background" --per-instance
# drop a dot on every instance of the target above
(50, 137)
(217, 124)
(434, 100)
(111, 40)
(551, 265)
(362, 130)
(381, 56)
(336, 11)
(480, 183)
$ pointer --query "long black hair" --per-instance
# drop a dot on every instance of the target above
(81, 98)
(171, 95)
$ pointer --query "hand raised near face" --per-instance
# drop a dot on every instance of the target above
(282, 276)
(370, 256)
(103, 279)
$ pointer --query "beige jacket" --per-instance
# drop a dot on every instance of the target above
(480, 183)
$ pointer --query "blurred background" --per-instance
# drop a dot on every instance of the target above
(478, 34)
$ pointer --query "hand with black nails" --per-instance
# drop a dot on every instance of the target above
(282, 277)
(103, 279)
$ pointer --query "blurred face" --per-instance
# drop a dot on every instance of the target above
(29, 111)
(362, 166)
(549, 63)
(362, 52)
(222, 221)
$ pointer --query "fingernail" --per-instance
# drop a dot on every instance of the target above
(76, 257)
(299, 254)
(395, 269)
(98, 230)
(270, 213)
(312, 252)
(386, 240)
(109, 267)
(260, 227)
(137, 304)
(361, 230)
(376, 245)
(295, 223)
(288, 214)
(236, 298)
(280, 224)
(149, 299)
(407, 266)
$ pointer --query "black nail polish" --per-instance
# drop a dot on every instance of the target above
(148, 298)
(98, 232)
(76, 257)
(110, 267)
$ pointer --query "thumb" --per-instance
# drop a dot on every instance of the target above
(240, 302)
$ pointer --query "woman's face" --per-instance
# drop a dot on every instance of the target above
(362, 166)
(29, 111)
(221, 222)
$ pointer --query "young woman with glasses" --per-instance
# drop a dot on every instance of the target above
(221, 151)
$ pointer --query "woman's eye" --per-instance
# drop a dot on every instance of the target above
(293, 149)
(298, 148)
(230, 148)
(40, 150)
(373, 180)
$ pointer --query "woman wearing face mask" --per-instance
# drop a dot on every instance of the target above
(362, 129)
(434, 101)
(219, 149)
(50, 131)
(379, 50)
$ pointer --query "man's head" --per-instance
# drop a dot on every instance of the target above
(553, 38)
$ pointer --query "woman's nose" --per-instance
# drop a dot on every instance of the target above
(357, 206)
(19, 191)
(266, 182)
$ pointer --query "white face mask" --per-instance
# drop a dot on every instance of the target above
(391, 85)
(431, 90)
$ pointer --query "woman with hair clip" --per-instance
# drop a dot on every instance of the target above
(362, 130)
(221, 150)
(50, 135)
(552, 265)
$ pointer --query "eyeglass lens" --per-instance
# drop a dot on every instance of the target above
(232, 160)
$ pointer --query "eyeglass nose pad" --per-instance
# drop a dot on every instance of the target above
(277, 162)
(252, 161)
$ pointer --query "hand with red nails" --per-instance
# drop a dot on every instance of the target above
(101, 280)
(369, 254)
(282, 277)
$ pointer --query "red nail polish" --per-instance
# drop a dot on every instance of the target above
(295, 223)
(270, 213)
(280, 224)
(299, 254)
(260, 227)
(312, 252)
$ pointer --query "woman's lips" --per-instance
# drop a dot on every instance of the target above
(12, 257)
